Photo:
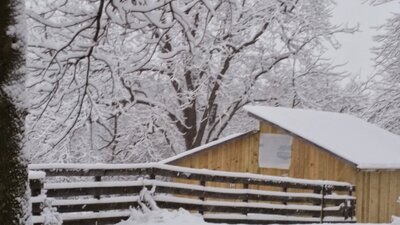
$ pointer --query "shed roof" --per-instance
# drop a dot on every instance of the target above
(357, 141)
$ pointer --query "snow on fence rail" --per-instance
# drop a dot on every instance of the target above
(239, 197)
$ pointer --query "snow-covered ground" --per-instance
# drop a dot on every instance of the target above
(164, 217)
(179, 217)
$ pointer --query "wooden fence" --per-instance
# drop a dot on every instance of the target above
(240, 198)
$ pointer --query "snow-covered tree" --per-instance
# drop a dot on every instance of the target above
(13, 173)
(79, 52)
(138, 80)
(385, 109)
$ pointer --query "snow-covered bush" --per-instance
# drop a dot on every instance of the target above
(50, 214)
(163, 216)
(147, 202)
(150, 214)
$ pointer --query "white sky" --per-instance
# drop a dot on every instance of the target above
(355, 50)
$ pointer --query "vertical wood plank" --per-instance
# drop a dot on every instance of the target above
(360, 196)
(394, 193)
(373, 200)
(384, 190)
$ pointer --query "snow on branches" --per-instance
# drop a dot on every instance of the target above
(384, 109)
(115, 80)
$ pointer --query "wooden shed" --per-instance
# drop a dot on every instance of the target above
(312, 145)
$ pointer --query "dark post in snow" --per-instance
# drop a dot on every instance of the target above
(13, 174)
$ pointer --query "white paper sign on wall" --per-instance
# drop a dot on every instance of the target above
(275, 151)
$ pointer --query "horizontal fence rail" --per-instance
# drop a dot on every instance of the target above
(94, 195)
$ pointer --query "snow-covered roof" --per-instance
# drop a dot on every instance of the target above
(204, 147)
(357, 141)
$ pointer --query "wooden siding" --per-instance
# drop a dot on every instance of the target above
(377, 194)
(376, 191)
(309, 162)
(237, 155)
(240, 155)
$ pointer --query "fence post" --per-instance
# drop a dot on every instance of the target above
(202, 183)
(246, 198)
(352, 205)
(97, 179)
(97, 194)
(246, 186)
(285, 189)
(323, 193)
(36, 180)
(36, 186)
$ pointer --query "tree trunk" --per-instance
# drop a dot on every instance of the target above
(13, 173)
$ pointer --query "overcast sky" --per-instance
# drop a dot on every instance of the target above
(355, 48)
